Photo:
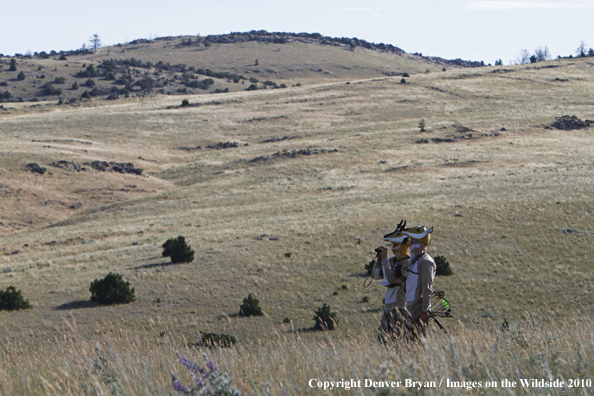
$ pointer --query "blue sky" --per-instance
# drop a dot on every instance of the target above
(469, 29)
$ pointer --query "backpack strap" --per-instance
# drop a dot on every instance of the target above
(414, 262)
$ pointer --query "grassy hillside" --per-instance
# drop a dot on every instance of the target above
(173, 63)
(320, 171)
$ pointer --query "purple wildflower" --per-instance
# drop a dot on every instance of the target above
(177, 385)
(199, 381)
(193, 367)
(211, 366)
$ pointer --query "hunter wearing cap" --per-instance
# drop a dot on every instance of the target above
(392, 272)
(419, 283)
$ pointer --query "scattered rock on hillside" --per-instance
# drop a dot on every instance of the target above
(36, 168)
(292, 154)
(568, 123)
(222, 146)
(68, 165)
(462, 129)
(455, 138)
(121, 167)
(190, 148)
(98, 165)
(276, 139)
(570, 231)
(127, 167)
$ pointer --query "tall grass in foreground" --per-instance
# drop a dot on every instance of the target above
(284, 362)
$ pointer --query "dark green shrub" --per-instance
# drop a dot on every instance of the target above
(178, 250)
(250, 307)
(254, 80)
(6, 95)
(344, 287)
(218, 340)
(75, 86)
(86, 95)
(325, 320)
(252, 87)
(442, 266)
(11, 300)
(185, 103)
(335, 293)
(62, 57)
(122, 80)
(365, 299)
(12, 67)
(98, 92)
(89, 83)
(49, 89)
(4, 84)
(287, 320)
(405, 75)
(112, 290)
(145, 83)
(59, 80)
(21, 76)
(90, 71)
(402, 81)
(288, 254)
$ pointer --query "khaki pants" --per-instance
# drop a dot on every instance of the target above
(416, 327)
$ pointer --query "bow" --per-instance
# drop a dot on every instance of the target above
(440, 308)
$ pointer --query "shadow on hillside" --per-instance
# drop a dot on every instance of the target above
(304, 330)
(77, 305)
(154, 265)
(229, 316)
(374, 310)
(359, 275)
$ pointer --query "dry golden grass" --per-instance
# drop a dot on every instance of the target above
(501, 204)
(285, 362)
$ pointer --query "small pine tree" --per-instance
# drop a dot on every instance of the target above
(178, 250)
(185, 103)
(422, 125)
(75, 86)
(12, 67)
(86, 95)
(442, 266)
(250, 307)
(12, 299)
(21, 76)
(112, 290)
(325, 320)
